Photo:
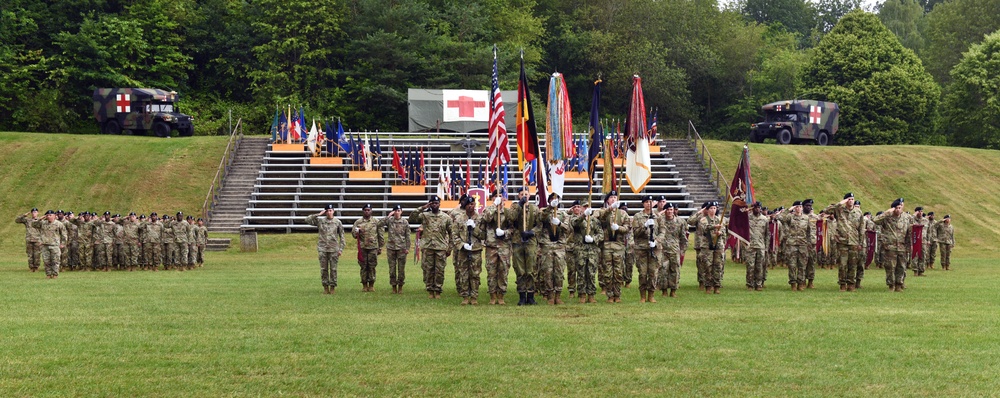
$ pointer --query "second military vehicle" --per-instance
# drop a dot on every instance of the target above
(794, 121)
(140, 110)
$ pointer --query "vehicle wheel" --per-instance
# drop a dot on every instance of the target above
(161, 129)
(785, 137)
(187, 132)
(823, 139)
(756, 137)
(112, 127)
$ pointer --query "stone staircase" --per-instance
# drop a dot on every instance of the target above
(696, 178)
(218, 244)
(228, 212)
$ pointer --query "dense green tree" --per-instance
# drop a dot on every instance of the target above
(796, 16)
(885, 96)
(952, 27)
(830, 12)
(971, 108)
(905, 19)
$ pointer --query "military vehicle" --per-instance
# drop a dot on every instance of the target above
(795, 121)
(138, 110)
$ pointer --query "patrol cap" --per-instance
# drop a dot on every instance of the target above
(919, 208)
(47, 212)
(397, 207)
(848, 195)
(647, 198)
(807, 202)
(797, 203)
(367, 206)
(897, 202)
(328, 207)
(434, 199)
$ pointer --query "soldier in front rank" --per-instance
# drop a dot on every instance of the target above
(660, 209)
(169, 247)
(525, 247)
(553, 230)
(32, 239)
(330, 246)
(370, 241)
(629, 264)
(946, 238)
(932, 244)
(72, 247)
(571, 246)
(181, 234)
(103, 242)
(880, 239)
(848, 238)
(698, 247)
(813, 253)
(799, 229)
(673, 240)
(467, 244)
(397, 246)
(712, 229)
(453, 213)
(918, 260)
(64, 253)
(869, 226)
(588, 252)
(435, 243)
(646, 228)
(117, 260)
(497, 223)
(615, 223)
(201, 240)
(192, 242)
(152, 242)
(85, 237)
(131, 245)
(52, 234)
(773, 229)
(757, 250)
(895, 229)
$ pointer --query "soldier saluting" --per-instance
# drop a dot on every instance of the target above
(435, 243)
(330, 246)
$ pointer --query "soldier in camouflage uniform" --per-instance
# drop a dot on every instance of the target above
(712, 229)
(553, 229)
(435, 242)
(571, 246)
(73, 246)
(397, 246)
(64, 253)
(629, 264)
(32, 239)
(588, 253)
(192, 242)
(946, 238)
(182, 232)
(368, 233)
(329, 245)
(152, 242)
(848, 238)
(467, 244)
(813, 253)
(673, 241)
(895, 230)
(85, 237)
(932, 244)
(131, 245)
(201, 240)
(698, 247)
(104, 241)
(169, 247)
(880, 238)
(499, 229)
(525, 247)
(117, 258)
(52, 234)
(757, 250)
(918, 260)
(799, 229)
(869, 226)
(615, 223)
(646, 228)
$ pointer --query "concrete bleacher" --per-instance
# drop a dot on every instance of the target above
(289, 187)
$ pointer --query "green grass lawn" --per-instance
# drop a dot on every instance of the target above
(257, 324)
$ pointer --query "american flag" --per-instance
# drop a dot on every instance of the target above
(499, 152)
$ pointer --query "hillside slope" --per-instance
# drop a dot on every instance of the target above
(99, 173)
(958, 181)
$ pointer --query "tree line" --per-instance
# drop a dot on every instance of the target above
(904, 72)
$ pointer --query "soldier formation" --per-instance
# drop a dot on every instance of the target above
(88, 242)
(580, 250)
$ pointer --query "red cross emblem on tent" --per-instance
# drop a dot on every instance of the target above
(466, 106)
(815, 114)
(124, 103)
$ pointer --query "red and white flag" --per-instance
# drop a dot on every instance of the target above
(499, 151)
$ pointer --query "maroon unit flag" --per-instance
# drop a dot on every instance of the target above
(742, 196)
(872, 238)
(917, 237)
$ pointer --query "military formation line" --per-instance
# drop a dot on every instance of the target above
(88, 242)
(598, 248)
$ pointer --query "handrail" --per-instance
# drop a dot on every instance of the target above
(714, 173)
(235, 137)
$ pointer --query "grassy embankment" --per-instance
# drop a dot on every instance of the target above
(256, 324)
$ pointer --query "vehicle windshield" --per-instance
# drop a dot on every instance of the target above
(781, 117)
(159, 107)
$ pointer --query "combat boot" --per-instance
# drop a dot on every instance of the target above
(649, 296)
(558, 298)
(531, 299)
(708, 290)
(393, 289)
(664, 292)
(551, 298)
(430, 295)
(673, 292)
(591, 299)
(857, 285)
(493, 298)
(618, 299)
(810, 285)
(465, 301)
(843, 287)
(642, 296)
(326, 289)
(715, 290)
(371, 287)
(521, 298)
(500, 299)
(850, 287)
(795, 286)
(583, 299)
(474, 301)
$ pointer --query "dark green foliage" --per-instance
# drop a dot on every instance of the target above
(971, 108)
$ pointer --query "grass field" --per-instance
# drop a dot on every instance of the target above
(255, 324)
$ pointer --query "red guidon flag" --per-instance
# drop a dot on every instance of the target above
(917, 237)
(872, 238)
